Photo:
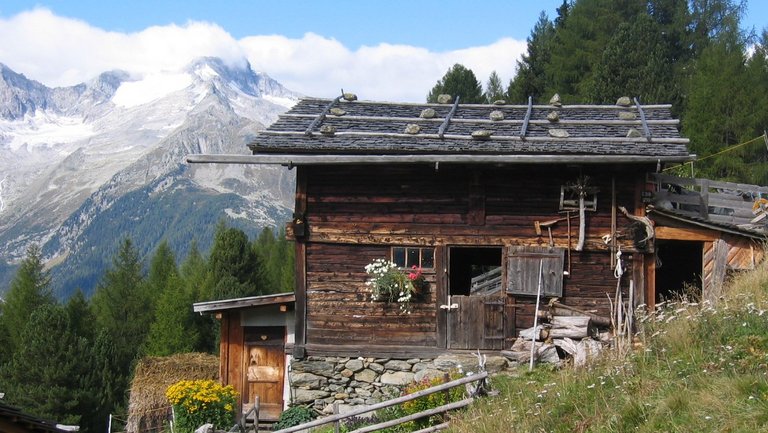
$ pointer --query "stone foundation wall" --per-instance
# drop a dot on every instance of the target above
(322, 381)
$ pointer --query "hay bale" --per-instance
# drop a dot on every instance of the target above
(148, 409)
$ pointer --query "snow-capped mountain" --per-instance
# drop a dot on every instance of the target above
(70, 156)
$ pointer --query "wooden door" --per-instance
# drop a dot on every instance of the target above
(477, 322)
(263, 371)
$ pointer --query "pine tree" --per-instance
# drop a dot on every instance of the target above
(634, 63)
(235, 268)
(531, 79)
(122, 307)
(173, 330)
(578, 45)
(80, 315)
(30, 290)
(194, 272)
(494, 91)
(458, 81)
(49, 375)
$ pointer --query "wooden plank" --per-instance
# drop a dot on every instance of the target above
(301, 298)
(685, 234)
(441, 295)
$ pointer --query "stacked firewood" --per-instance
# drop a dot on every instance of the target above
(564, 332)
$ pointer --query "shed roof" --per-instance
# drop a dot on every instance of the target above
(364, 130)
(239, 303)
(13, 419)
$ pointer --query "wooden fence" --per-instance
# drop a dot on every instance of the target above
(337, 418)
(716, 201)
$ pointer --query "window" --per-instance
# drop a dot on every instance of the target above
(523, 265)
(407, 257)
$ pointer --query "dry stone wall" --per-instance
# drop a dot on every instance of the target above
(322, 381)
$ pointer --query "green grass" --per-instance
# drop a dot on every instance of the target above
(693, 368)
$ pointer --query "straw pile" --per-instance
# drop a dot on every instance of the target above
(148, 409)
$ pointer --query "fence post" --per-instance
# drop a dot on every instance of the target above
(337, 424)
(109, 425)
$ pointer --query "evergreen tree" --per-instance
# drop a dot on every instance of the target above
(720, 103)
(235, 268)
(494, 91)
(578, 45)
(458, 81)
(634, 63)
(111, 387)
(122, 307)
(173, 330)
(194, 272)
(30, 290)
(531, 79)
(162, 267)
(49, 375)
(80, 316)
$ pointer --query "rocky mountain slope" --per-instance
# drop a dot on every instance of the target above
(82, 167)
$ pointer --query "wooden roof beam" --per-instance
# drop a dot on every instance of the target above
(321, 116)
(447, 121)
(646, 130)
(527, 118)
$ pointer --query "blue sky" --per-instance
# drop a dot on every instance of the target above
(393, 50)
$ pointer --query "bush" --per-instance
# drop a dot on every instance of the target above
(197, 402)
(294, 416)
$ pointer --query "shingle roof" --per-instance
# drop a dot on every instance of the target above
(378, 128)
(18, 420)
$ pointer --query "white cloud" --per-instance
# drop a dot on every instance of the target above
(63, 51)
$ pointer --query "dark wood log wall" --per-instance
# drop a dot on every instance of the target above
(354, 214)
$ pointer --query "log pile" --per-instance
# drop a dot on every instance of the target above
(565, 332)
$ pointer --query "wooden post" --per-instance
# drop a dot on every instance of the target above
(536, 316)
(337, 423)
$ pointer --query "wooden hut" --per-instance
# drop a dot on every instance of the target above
(468, 193)
(256, 334)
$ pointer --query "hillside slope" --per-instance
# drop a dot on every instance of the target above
(694, 368)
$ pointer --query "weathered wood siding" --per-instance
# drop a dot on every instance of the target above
(355, 214)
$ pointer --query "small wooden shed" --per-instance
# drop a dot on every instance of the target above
(257, 334)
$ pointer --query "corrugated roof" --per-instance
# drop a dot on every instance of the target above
(379, 128)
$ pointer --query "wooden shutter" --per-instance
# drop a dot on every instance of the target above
(523, 270)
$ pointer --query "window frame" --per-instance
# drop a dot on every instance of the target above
(421, 251)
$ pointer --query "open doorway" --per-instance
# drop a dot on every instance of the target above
(678, 270)
(477, 268)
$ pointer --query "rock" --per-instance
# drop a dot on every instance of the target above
(496, 363)
(553, 116)
(555, 100)
(456, 362)
(413, 361)
(328, 130)
(308, 380)
(412, 128)
(624, 101)
(397, 378)
(366, 376)
(627, 115)
(375, 366)
(320, 368)
(428, 113)
(336, 111)
(205, 428)
(349, 97)
(481, 134)
(398, 365)
(341, 396)
(304, 396)
(384, 360)
(362, 392)
(558, 133)
(497, 115)
(634, 133)
(428, 374)
(355, 365)
(421, 366)
(444, 99)
(499, 102)
(347, 373)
